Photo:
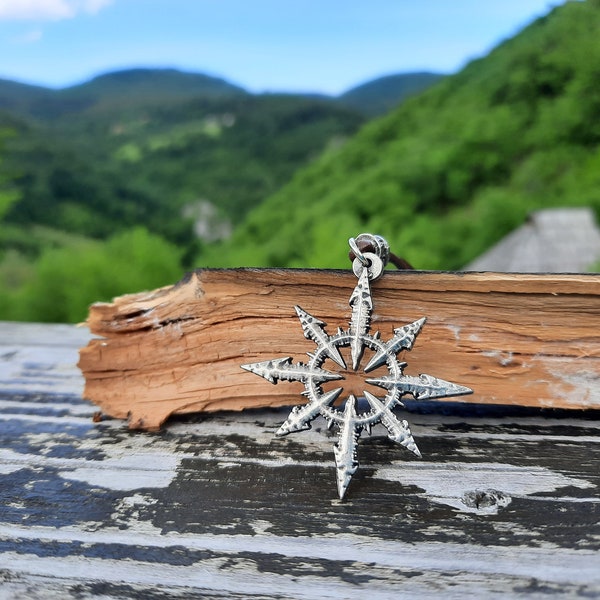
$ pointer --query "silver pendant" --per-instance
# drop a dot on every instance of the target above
(351, 422)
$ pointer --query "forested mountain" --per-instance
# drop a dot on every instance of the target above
(158, 148)
(159, 84)
(452, 170)
(95, 176)
(21, 98)
(179, 155)
(380, 95)
(128, 90)
(131, 90)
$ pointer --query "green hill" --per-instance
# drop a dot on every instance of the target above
(150, 82)
(120, 168)
(153, 147)
(379, 96)
(452, 170)
(129, 89)
(21, 98)
(177, 155)
(140, 146)
(132, 90)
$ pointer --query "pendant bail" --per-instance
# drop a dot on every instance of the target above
(371, 252)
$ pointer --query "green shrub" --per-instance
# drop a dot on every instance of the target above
(65, 281)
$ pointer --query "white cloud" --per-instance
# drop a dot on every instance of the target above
(93, 6)
(48, 10)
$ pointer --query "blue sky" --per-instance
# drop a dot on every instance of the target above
(264, 45)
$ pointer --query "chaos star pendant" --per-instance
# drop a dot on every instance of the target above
(349, 420)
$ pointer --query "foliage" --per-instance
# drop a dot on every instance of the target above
(119, 91)
(454, 169)
(379, 96)
(61, 285)
(105, 171)
(8, 193)
(129, 149)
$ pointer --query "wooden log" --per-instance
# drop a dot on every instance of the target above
(515, 339)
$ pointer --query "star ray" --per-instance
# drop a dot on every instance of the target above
(314, 329)
(345, 450)
(398, 431)
(423, 387)
(404, 338)
(300, 417)
(282, 369)
(362, 307)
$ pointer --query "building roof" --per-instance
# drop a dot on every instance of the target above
(559, 240)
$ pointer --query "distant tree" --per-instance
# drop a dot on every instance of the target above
(8, 193)
(67, 280)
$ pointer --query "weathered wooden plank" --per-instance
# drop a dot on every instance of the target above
(36, 357)
(220, 502)
(215, 506)
(513, 338)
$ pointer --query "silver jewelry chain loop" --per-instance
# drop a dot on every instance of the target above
(375, 261)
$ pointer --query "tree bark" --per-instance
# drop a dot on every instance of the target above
(515, 339)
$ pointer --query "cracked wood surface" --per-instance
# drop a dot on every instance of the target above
(504, 503)
(515, 339)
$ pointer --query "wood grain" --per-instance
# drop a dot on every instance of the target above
(515, 339)
(504, 502)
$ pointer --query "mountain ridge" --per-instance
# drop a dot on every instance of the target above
(129, 87)
(380, 95)
(164, 85)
